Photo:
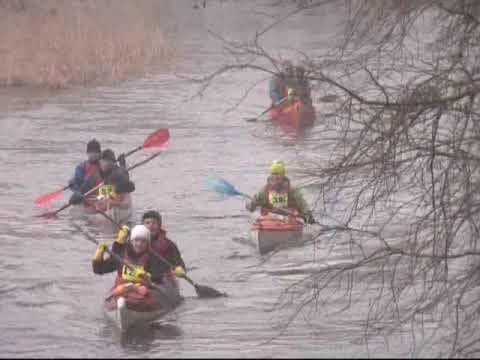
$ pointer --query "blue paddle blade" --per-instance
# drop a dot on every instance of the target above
(223, 187)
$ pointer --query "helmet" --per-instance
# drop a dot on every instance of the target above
(140, 231)
(93, 146)
(277, 167)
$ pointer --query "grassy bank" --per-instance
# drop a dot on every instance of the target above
(57, 43)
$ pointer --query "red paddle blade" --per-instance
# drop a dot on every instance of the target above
(45, 199)
(159, 139)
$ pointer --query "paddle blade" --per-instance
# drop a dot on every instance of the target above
(158, 140)
(45, 199)
(222, 186)
(208, 292)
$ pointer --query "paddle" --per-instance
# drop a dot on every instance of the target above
(50, 214)
(203, 291)
(265, 111)
(225, 188)
(158, 139)
(92, 239)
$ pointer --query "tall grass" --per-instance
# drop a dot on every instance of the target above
(58, 43)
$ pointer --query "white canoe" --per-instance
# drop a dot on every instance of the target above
(121, 214)
(272, 231)
(125, 314)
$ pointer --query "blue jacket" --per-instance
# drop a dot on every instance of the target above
(79, 177)
(277, 88)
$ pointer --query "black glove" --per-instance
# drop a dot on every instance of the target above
(76, 198)
(121, 161)
(309, 218)
(250, 206)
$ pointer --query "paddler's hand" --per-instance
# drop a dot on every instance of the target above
(102, 247)
(76, 198)
(179, 272)
(123, 235)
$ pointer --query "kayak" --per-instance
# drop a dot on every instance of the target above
(121, 211)
(297, 114)
(129, 305)
(273, 230)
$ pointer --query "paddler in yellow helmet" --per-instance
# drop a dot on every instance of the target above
(278, 194)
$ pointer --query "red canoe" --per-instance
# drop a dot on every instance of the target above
(273, 230)
(297, 114)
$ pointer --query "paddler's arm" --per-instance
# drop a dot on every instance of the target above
(260, 199)
(78, 177)
(298, 202)
(176, 256)
(103, 266)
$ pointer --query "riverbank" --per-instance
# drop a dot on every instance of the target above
(53, 44)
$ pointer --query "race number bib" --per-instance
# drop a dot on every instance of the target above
(278, 200)
(129, 275)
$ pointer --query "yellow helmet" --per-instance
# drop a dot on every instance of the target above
(277, 167)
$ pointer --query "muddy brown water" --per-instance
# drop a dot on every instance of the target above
(50, 304)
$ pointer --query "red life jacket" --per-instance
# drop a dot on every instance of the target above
(123, 271)
(161, 245)
(92, 169)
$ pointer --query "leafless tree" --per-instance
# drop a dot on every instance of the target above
(400, 180)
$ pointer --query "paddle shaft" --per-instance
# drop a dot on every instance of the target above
(269, 108)
(101, 183)
(278, 211)
(158, 256)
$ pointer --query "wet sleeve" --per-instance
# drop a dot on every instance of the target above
(76, 182)
(87, 185)
(175, 256)
(299, 202)
(261, 199)
(104, 266)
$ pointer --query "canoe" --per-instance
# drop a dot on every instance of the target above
(131, 305)
(271, 231)
(122, 212)
(296, 114)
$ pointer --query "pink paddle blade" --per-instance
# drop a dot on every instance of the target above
(159, 139)
(45, 199)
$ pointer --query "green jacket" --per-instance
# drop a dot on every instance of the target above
(295, 201)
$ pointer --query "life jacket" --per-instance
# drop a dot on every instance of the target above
(278, 195)
(161, 244)
(124, 274)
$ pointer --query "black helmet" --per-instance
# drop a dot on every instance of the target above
(152, 214)
(108, 154)
(93, 146)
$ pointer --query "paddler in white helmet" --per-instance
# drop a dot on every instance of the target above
(145, 267)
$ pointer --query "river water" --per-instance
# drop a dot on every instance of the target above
(51, 302)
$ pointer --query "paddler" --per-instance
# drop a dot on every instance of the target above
(281, 83)
(116, 183)
(279, 194)
(145, 267)
(159, 243)
(87, 168)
